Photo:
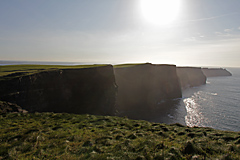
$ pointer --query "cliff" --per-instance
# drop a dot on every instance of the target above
(215, 72)
(143, 86)
(190, 77)
(77, 90)
(96, 89)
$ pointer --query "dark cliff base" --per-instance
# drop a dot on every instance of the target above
(143, 86)
(215, 72)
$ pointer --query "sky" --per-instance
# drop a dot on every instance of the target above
(202, 33)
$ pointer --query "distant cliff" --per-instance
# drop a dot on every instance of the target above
(190, 76)
(215, 72)
(86, 90)
(143, 86)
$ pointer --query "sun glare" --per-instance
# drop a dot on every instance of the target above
(160, 12)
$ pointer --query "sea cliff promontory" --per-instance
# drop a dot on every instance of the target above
(79, 89)
(216, 72)
(142, 86)
(190, 76)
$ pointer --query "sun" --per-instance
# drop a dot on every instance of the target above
(160, 12)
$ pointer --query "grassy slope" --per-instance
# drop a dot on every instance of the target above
(70, 136)
(13, 71)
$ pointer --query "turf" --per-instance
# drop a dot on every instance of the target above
(127, 65)
(14, 71)
(70, 136)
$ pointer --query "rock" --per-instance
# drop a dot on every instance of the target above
(6, 107)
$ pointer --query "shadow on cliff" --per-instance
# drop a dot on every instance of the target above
(80, 91)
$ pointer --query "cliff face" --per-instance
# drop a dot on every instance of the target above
(98, 90)
(215, 72)
(89, 90)
(190, 77)
(143, 86)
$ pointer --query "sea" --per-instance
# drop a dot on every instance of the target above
(215, 104)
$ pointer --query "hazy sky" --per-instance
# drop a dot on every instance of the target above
(204, 32)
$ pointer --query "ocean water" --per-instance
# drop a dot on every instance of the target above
(215, 105)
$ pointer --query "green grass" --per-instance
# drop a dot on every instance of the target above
(70, 136)
(127, 65)
(13, 71)
(135, 64)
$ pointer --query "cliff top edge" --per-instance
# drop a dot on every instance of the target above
(14, 71)
(140, 64)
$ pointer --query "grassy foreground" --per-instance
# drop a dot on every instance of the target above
(70, 136)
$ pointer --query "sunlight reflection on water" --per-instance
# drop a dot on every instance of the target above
(194, 116)
(215, 104)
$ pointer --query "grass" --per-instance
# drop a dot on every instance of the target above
(13, 71)
(135, 64)
(71, 136)
(127, 65)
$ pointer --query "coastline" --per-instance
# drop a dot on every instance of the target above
(175, 110)
(52, 135)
